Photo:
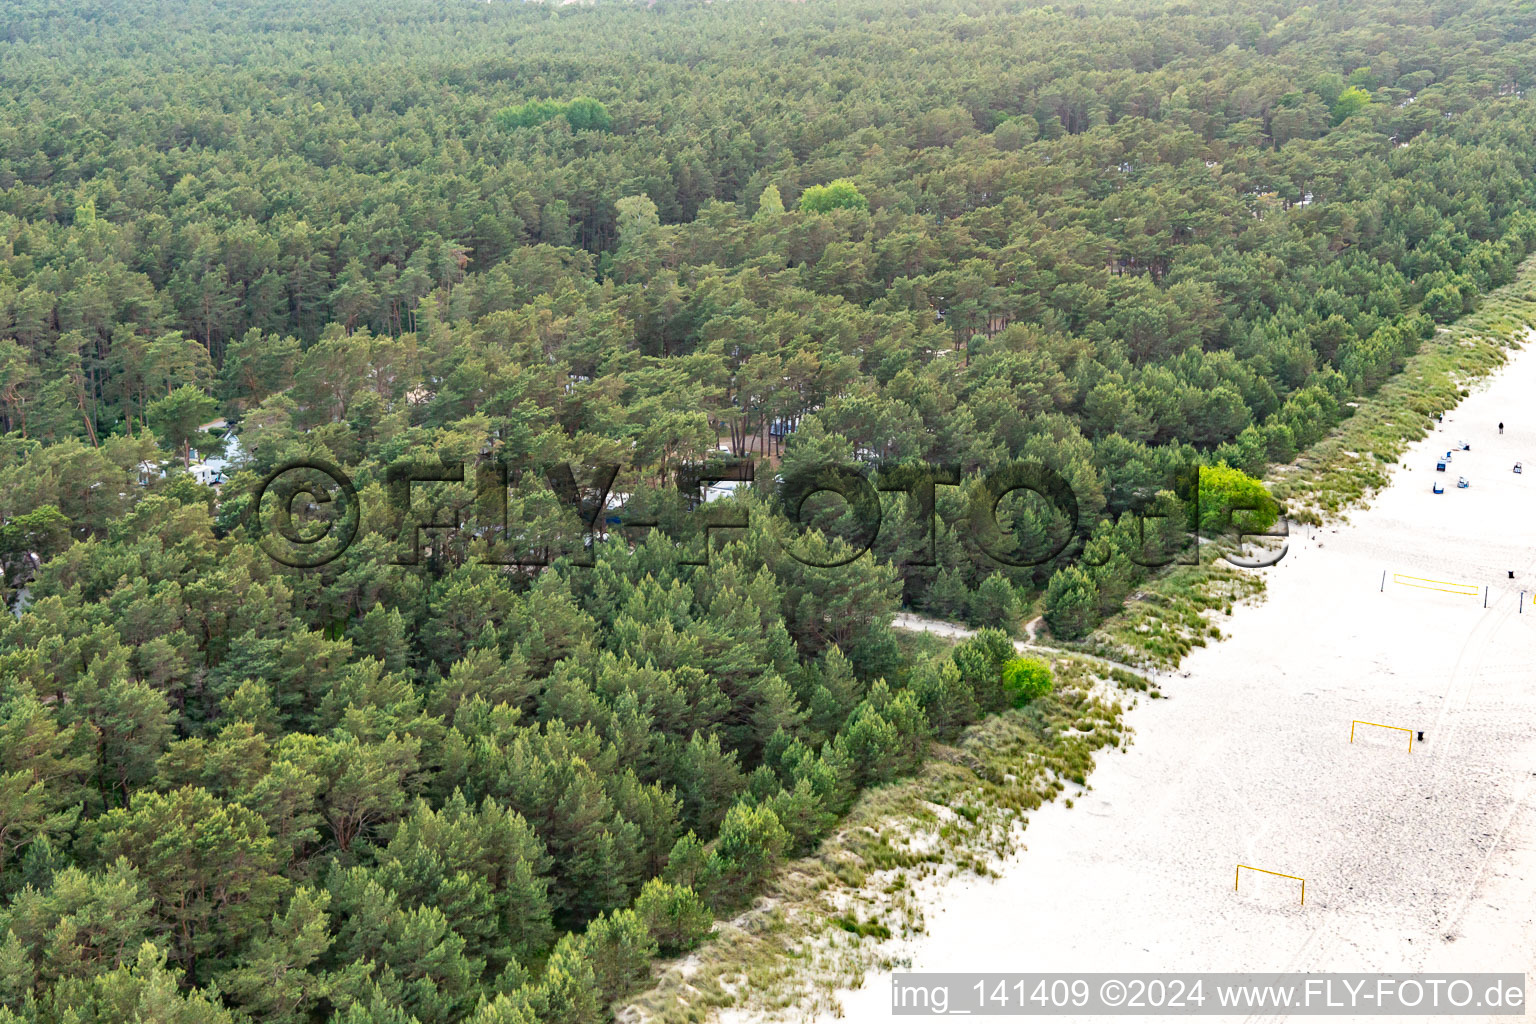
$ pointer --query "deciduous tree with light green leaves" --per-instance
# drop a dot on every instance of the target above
(841, 194)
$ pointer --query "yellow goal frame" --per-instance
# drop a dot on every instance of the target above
(1237, 877)
(1378, 725)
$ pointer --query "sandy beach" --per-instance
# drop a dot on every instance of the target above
(1421, 861)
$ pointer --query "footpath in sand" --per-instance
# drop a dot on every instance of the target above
(1421, 861)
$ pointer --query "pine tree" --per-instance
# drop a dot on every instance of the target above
(674, 915)
(1071, 603)
(995, 604)
(619, 947)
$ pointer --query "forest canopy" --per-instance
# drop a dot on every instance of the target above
(1113, 239)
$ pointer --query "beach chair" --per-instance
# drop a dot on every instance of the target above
(1462, 482)
(1439, 487)
(1440, 467)
(1517, 467)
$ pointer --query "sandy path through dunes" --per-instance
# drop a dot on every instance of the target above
(1421, 861)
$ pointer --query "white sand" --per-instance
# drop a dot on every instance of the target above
(1414, 862)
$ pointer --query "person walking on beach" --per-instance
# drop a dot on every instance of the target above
(1501, 427)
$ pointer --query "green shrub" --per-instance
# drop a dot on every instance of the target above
(1225, 491)
(853, 925)
(1026, 679)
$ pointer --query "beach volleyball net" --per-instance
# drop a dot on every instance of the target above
(1378, 725)
(1443, 586)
